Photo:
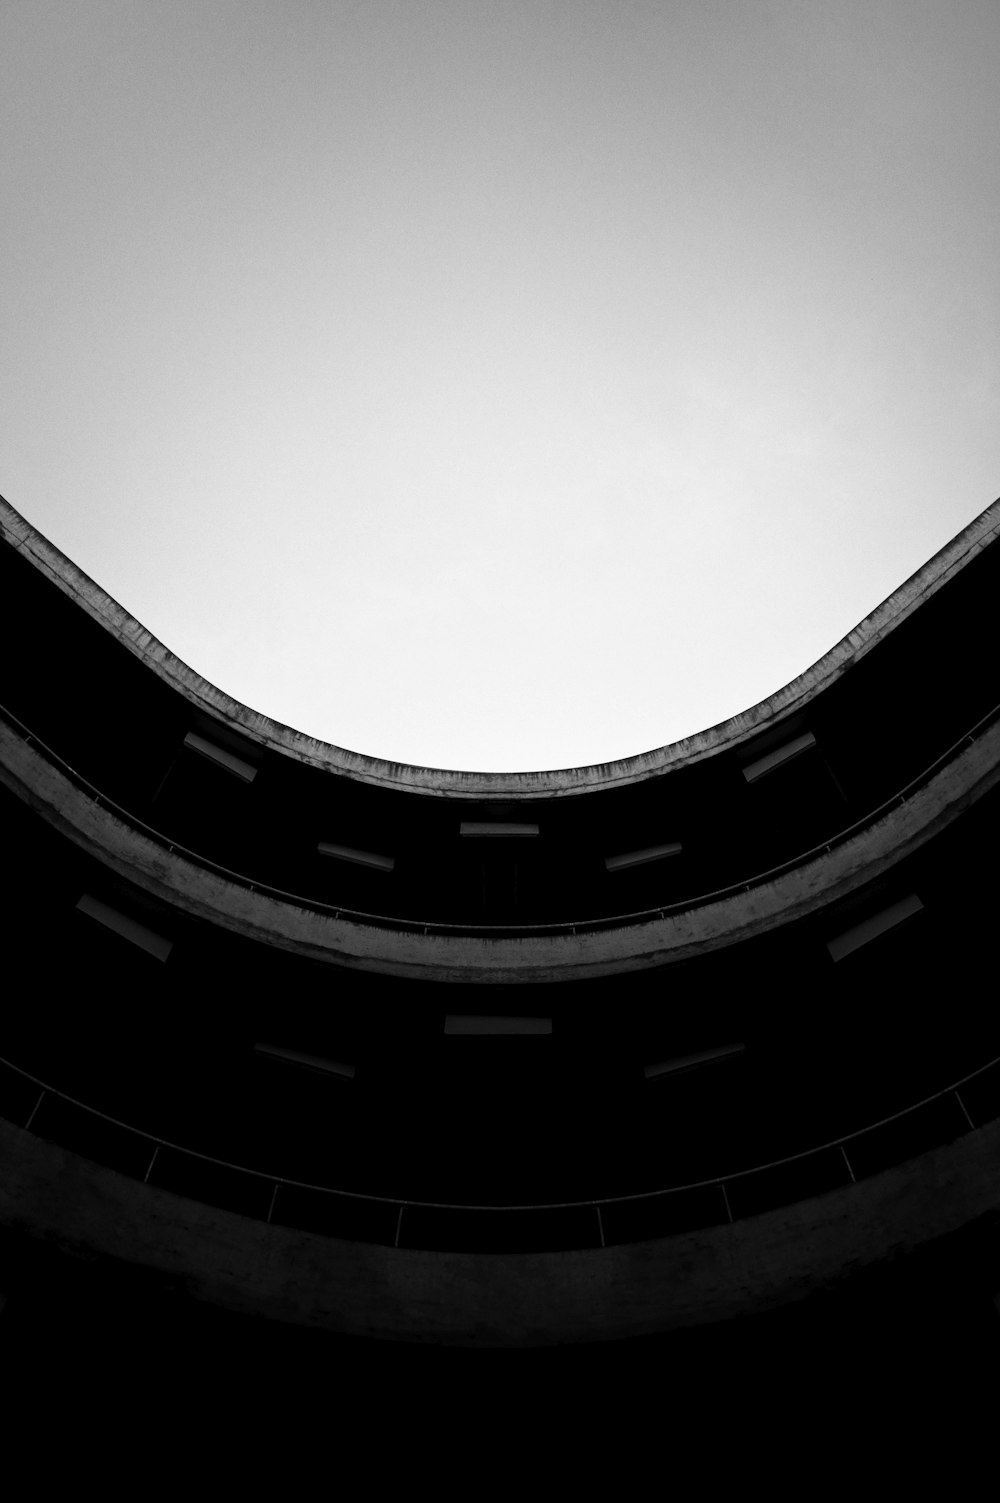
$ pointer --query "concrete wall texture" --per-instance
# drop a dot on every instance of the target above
(498, 1300)
(525, 1299)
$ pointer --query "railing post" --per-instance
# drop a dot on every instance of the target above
(31, 1115)
(274, 1196)
(836, 781)
(159, 787)
(399, 1223)
(725, 1197)
(848, 1163)
(965, 1110)
(600, 1225)
(149, 1170)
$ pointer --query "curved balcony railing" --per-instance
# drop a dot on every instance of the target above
(480, 930)
(950, 1113)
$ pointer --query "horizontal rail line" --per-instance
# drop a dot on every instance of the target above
(605, 1200)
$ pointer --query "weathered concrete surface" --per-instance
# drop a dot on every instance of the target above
(544, 957)
(485, 785)
(495, 1300)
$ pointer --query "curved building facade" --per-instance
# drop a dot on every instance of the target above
(491, 1059)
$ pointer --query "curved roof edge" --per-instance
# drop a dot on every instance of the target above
(73, 582)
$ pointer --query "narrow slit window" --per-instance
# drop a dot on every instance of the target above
(307, 1061)
(640, 858)
(120, 923)
(220, 756)
(779, 756)
(370, 859)
(460, 1024)
(880, 923)
(497, 829)
(692, 1061)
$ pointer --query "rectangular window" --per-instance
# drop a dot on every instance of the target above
(360, 858)
(496, 828)
(779, 756)
(690, 1061)
(310, 1061)
(220, 757)
(480, 1025)
(879, 923)
(639, 858)
(120, 923)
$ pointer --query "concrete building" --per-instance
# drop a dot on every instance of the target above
(692, 1054)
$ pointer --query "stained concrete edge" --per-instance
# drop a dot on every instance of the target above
(752, 1266)
(17, 532)
(170, 877)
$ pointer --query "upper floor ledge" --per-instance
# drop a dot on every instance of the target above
(561, 952)
(17, 532)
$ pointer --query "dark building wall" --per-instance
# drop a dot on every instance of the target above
(890, 805)
(759, 1263)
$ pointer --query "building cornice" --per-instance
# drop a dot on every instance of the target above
(484, 786)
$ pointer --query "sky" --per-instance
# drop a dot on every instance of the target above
(500, 385)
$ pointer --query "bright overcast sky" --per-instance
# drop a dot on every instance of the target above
(500, 384)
